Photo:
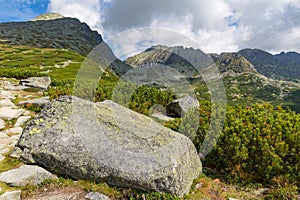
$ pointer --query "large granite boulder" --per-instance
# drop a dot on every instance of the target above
(107, 142)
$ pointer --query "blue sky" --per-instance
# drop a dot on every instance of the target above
(21, 10)
(216, 25)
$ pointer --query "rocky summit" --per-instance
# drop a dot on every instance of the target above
(107, 142)
(48, 16)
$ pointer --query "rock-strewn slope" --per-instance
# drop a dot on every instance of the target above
(107, 142)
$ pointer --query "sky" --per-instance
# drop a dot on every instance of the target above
(215, 25)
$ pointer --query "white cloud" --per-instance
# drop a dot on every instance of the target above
(87, 11)
(216, 25)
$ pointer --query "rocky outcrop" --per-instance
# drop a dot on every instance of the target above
(107, 142)
(48, 16)
(232, 62)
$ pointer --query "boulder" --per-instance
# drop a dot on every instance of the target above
(36, 82)
(39, 102)
(179, 107)
(26, 174)
(107, 142)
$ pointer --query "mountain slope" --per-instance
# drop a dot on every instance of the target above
(242, 82)
(64, 33)
(61, 33)
(280, 66)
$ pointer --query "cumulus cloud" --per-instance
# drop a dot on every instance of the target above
(216, 25)
(88, 11)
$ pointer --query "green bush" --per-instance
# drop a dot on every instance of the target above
(258, 143)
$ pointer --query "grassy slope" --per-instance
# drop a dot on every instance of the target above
(22, 62)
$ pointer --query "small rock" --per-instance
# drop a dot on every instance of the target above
(232, 199)
(22, 120)
(260, 191)
(3, 135)
(14, 195)
(16, 153)
(37, 82)
(9, 113)
(96, 196)
(15, 87)
(2, 124)
(199, 185)
(26, 174)
(39, 102)
(6, 95)
(15, 130)
(26, 113)
(6, 103)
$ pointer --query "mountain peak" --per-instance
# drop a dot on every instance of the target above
(48, 16)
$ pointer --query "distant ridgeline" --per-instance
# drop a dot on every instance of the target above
(280, 66)
(246, 81)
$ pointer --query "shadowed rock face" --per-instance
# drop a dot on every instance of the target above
(107, 142)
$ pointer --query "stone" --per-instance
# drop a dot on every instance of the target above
(26, 174)
(10, 113)
(15, 87)
(2, 124)
(6, 95)
(1, 159)
(22, 120)
(96, 196)
(14, 130)
(36, 82)
(39, 102)
(6, 103)
(3, 135)
(13, 195)
(107, 142)
(179, 107)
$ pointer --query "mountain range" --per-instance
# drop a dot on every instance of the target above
(250, 75)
